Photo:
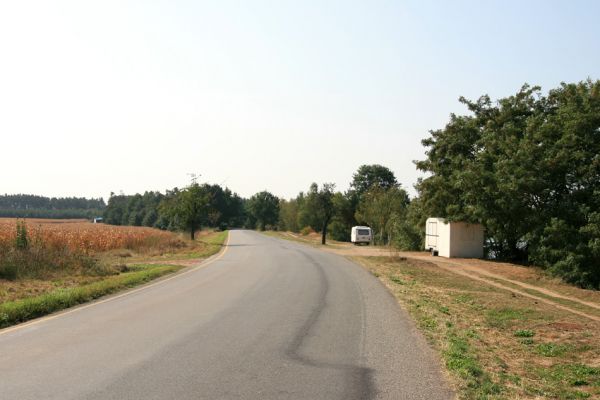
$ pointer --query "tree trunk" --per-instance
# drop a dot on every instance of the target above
(324, 232)
(193, 232)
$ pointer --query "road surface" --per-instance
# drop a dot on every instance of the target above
(268, 319)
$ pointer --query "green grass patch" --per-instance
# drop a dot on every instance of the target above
(396, 279)
(552, 349)
(506, 316)
(460, 359)
(524, 333)
(567, 381)
(527, 341)
(14, 312)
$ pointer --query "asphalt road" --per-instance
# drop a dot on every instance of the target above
(269, 319)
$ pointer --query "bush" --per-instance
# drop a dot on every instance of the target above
(307, 230)
(339, 231)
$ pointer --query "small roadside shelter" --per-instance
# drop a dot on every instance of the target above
(453, 239)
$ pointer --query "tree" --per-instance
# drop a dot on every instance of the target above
(188, 208)
(409, 232)
(288, 215)
(263, 209)
(368, 176)
(320, 207)
(527, 168)
(382, 209)
(343, 219)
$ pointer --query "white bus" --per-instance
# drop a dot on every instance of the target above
(361, 234)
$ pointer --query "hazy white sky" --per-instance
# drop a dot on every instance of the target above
(112, 95)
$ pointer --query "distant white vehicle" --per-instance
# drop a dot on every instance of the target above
(361, 234)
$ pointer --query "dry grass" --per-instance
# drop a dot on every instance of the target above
(67, 254)
(496, 344)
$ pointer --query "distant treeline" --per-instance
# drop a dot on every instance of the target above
(222, 209)
(32, 206)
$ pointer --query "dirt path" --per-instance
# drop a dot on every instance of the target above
(474, 269)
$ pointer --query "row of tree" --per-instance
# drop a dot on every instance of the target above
(32, 206)
(187, 209)
(375, 198)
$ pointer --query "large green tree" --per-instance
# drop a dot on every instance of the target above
(188, 208)
(263, 209)
(527, 168)
(368, 176)
(319, 205)
(382, 209)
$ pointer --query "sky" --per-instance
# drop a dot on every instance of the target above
(123, 96)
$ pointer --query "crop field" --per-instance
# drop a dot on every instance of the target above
(82, 235)
(61, 263)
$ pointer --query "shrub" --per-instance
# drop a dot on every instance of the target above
(524, 333)
(307, 230)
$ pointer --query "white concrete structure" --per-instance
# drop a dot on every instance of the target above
(453, 239)
(361, 234)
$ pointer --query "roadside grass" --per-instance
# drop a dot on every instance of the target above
(495, 344)
(14, 312)
(207, 243)
(312, 239)
(576, 305)
(27, 298)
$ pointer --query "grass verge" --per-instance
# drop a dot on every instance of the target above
(25, 299)
(495, 344)
(18, 311)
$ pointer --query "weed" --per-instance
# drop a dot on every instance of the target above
(562, 377)
(21, 238)
(524, 333)
(552, 350)
(459, 359)
(444, 310)
(396, 279)
(503, 317)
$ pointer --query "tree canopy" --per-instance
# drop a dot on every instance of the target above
(263, 210)
(368, 176)
(528, 168)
